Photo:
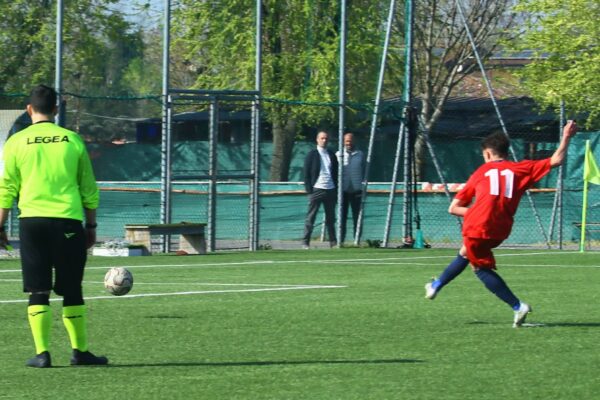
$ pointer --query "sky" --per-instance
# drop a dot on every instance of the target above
(143, 12)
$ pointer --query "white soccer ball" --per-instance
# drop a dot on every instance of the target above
(118, 281)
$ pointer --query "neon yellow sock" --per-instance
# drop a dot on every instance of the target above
(40, 321)
(75, 320)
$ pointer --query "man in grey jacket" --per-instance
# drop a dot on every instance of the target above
(352, 181)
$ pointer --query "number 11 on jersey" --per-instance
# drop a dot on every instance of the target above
(494, 176)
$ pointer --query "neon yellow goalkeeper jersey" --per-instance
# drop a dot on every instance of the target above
(48, 168)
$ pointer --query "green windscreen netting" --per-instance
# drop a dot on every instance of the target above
(123, 138)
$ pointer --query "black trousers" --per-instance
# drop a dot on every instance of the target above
(328, 198)
(350, 200)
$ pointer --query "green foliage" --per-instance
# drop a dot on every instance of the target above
(215, 43)
(142, 77)
(300, 49)
(98, 45)
(564, 35)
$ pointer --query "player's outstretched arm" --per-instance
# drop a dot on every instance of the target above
(569, 131)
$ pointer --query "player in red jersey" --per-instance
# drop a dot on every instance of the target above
(497, 187)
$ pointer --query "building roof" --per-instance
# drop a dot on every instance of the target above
(476, 118)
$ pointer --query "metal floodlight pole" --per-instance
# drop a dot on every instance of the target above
(408, 144)
(374, 118)
(561, 177)
(58, 82)
(403, 136)
(212, 171)
(341, 118)
(165, 150)
(556, 204)
(558, 197)
(255, 136)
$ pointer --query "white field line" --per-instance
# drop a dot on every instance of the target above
(499, 265)
(282, 285)
(187, 293)
(353, 260)
(208, 284)
(374, 261)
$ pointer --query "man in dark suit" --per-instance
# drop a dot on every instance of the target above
(320, 181)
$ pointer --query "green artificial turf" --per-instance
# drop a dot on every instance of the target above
(319, 324)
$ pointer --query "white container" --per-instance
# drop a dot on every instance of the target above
(117, 252)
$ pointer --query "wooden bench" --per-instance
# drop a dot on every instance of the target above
(192, 239)
(590, 227)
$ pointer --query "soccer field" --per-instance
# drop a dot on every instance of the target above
(322, 324)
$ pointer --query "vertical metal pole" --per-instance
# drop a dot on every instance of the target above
(408, 150)
(58, 82)
(165, 149)
(557, 195)
(255, 139)
(374, 118)
(560, 189)
(392, 195)
(403, 134)
(341, 118)
(212, 172)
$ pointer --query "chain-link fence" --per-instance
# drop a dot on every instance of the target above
(124, 134)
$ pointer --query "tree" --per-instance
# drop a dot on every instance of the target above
(301, 45)
(443, 54)
(564, 36)
(300, 61)
(98, 43)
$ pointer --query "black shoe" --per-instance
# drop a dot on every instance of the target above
(42, 360)
(87, 358)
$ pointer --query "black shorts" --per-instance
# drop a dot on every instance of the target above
(52, 243)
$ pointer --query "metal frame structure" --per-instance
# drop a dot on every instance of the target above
(255, 96)
(213, 97)
(497, 109)
(403, 138)
(374, 118)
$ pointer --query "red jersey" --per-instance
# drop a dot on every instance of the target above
(497, 187)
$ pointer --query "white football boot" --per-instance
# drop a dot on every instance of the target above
(521, 314)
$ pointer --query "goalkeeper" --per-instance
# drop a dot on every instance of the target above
(48, 170)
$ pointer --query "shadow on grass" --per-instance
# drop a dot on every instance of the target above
(544, 324)
(265, 363)
(571, 324)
